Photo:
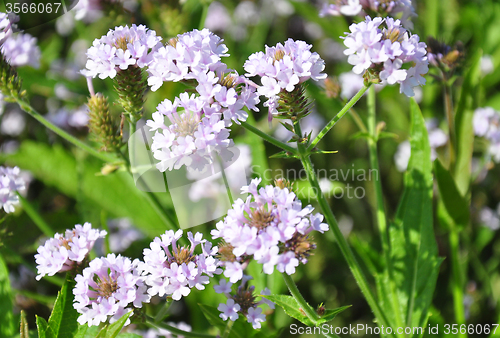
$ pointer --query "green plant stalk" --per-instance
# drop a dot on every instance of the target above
(269, 138)
(294, 291)
(36, 217)
(150, 322)
(226, 183)
(70, 138)
(448, 103)
(379, 198)
(228, 329)
(334, 227)
(337, 118)
(457, 280)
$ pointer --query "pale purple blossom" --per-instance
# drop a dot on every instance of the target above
(5, 27)
(119, 49)
(490, 218)
(10, 184)
(172, 270)
(63, 252)
(384, 44)
(486, 123)
(21, 49)
(109, 288)
(229, 310)
(269, 226)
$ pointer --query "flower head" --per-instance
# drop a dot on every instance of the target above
(271, 227)
(10, 183)
(193, 135)
(119, 49)
(109, 288)
(172, 270)
(382, 53)
(62, 253)
(5, 27)
(21, 49)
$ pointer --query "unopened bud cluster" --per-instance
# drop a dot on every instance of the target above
(101, 123)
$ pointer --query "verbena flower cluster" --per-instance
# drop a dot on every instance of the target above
(119, 49)
(271, 227)
(384, 53)
(282, 68)
(10, 184)
(393, 8)
(242, 301)
(171, 270)
(108, 289)
(63, 252)
(486, 123)
(19, 49)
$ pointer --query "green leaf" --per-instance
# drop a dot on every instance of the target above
(291, 307)
(463, 125)
(44, 331)
(240, 328)
(456, 205)
(112, 330)
(7, 324)
(283, 154)
(115, 193)
(128, 335)
(84, 331)
(413, 254)
(63, 318)
(331, 314)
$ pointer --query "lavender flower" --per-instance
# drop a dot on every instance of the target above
(10, 183)
(242, 301)
(486, 123)
(172, 270)
(21, 49)
(283, 68)
(186, 56)
(62, 253)
(119, 49)
(109, 288)
(5, 27)
(380, 53)
(489, 218)
(271, 227)
(192, 136)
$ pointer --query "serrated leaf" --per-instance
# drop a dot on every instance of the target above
(44, 331)
(291, 307)
(455, 203)
(7, 324)
(112, 330)
(63, 318)
(332, 313)
(413, 254)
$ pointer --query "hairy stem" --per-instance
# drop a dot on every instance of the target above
(268, 138)
(294, 291)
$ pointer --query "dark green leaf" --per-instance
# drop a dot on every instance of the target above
(62, 321)
(44, 331)
(115, 193)
(84, 331)
(414, 261)
(455, 203)
(291, 307)
(128, 335)
(283, 154)
(7, 324)
(331, 314)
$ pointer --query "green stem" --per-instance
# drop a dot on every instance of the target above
(337, 117)
(379, 197)
(448, 103)
(456, 281)
(150, 322)
(341, 241)
(36, 217)
(70, 138)
(294, 291)
(226, 183)
(228, 328)
(269, 138)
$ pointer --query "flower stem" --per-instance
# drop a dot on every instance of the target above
(456, 281)
(70, 138)
(269, 138)
(36, 217)
(226, 183)
(337, 117)
(294, 291)
(341, 241)
(227, 331)
(150, 322)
